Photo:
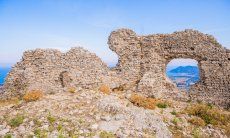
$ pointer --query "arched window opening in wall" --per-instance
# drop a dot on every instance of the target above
(183, 72)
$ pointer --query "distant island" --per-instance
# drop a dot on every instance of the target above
(184, 76)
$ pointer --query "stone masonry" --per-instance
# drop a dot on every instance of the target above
(142, 62)
(50, 70)
(144, 59)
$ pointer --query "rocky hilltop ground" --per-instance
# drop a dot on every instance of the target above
(103, 113)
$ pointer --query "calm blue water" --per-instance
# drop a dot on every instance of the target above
(3, 74)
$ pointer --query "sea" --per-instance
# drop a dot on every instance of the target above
(3, 74)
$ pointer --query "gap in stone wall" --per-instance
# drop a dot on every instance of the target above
(183, 72)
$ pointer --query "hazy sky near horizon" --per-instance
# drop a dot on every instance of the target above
(62, 24)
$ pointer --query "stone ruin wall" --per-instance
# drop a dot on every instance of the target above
(51, 71)
(142, 63)
(148, 56)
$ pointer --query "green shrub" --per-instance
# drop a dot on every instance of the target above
(196, 133)
(8, 135)
(37, 122)
(174, 112)
(175, 121)
(51, 119)
(162, 105)
(40, 133)
(17, 121)
(59, 127)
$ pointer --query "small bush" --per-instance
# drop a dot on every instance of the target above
(196, 133)
(175, 121)
(105, 89)
(209, 114)
(174, 112)
(59, 127)
(17, 121)
(37, 122)
(71, 90)
(197, 121)
(33, 95)
(148, 103)
(8, 135)
(40, 133)
(105, 134)
(51, 118)
(162, 105)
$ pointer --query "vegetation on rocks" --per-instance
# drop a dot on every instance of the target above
(138, 100)
(40, 133)
(33, 95)
(104, 89)
(51, 118)
(197, 121)
(162, 105)
(8, 136)
(90, 113)
(173, 112)
(210, 115)
(147, 102)
(175, 121)
(9, 101)
(16, 121)
(71, 89)
(105, 134)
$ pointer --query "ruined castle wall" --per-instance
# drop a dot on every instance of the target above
(155, 51)
(50, 70)
(142, 62)
(126, 45)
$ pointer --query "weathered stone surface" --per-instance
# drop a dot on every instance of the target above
(143, 59)
(50, 70)
(139, 118)
(141, 67)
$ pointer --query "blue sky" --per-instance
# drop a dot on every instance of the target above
(62, 24)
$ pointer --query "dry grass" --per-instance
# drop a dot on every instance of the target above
(141, 101)
(71, 89)
(104, 89)
(33, 95)
(9, 101)
(148, 102)
(197, 121)
(210, 115)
